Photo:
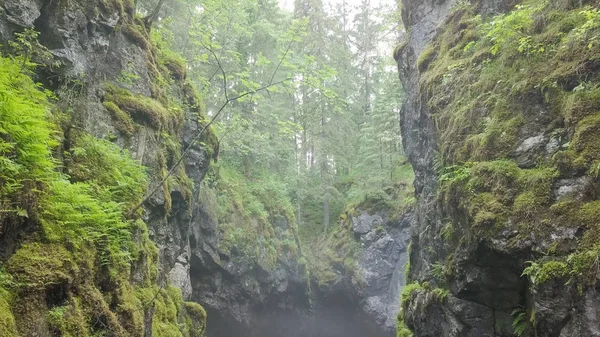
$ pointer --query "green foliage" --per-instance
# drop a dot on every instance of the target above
(437, 271)
(85, 239)
(440, 294)
(71, 213)
(8, 325)
(26, 139)
(541, 273)
(114, 173)
(408, 290)
(123, 121)
(26, 51)
(173, 62)
(510, 27)
(402, 329)
(447, 232)
(256, 218)
(197, 319)
(526, 55)
(68, 320)
(519, 323)
(335, 252)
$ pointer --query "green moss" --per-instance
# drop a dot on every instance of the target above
(586, 139)
(501, 73)
(552, 270)
(197, 319)
(112, 6)
(402, 329)
(398, 50)
(137, 33)
(68, 320)
(440, 294)
(408, 290)
(73, 276)
(123, 121)
(37, 265)
(569, 163)
(8, 325)
(581, 103)
(486, 210)
(143, 109)
(426, 57)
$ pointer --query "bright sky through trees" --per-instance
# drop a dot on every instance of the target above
(289, 4)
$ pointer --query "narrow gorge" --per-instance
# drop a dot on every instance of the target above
(187, 168)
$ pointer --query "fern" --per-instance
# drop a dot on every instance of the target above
(26, 139)
(519, 323)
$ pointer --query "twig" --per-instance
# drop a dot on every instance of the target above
(222, 72)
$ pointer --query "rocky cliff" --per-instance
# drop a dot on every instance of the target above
(500, 126)
(364, 274)
(116, 94)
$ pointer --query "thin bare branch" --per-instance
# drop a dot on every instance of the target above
(222, 72)
(196, 138)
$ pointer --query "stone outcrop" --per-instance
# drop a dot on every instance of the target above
(369, 279)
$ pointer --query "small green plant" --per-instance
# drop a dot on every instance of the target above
(519, 323)
(508, 27)
(447, 232)
(408, 290)
(128, 78)
(595, 169)
(402, 329)
(29, 53)
(440, 294)
(437, 270)
(592, 22)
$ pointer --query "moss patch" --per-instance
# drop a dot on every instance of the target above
(142, 109)
(123, 121)
(72, 277)
(8, 325)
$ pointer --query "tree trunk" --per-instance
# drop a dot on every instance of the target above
(324, 176)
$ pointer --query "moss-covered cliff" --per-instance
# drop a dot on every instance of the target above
(79, 152)
(501, 127)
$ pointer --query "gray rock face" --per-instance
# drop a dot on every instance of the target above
(380, 266)
(571, 187)
(365, 223)
(530, 149)
(382, 263)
